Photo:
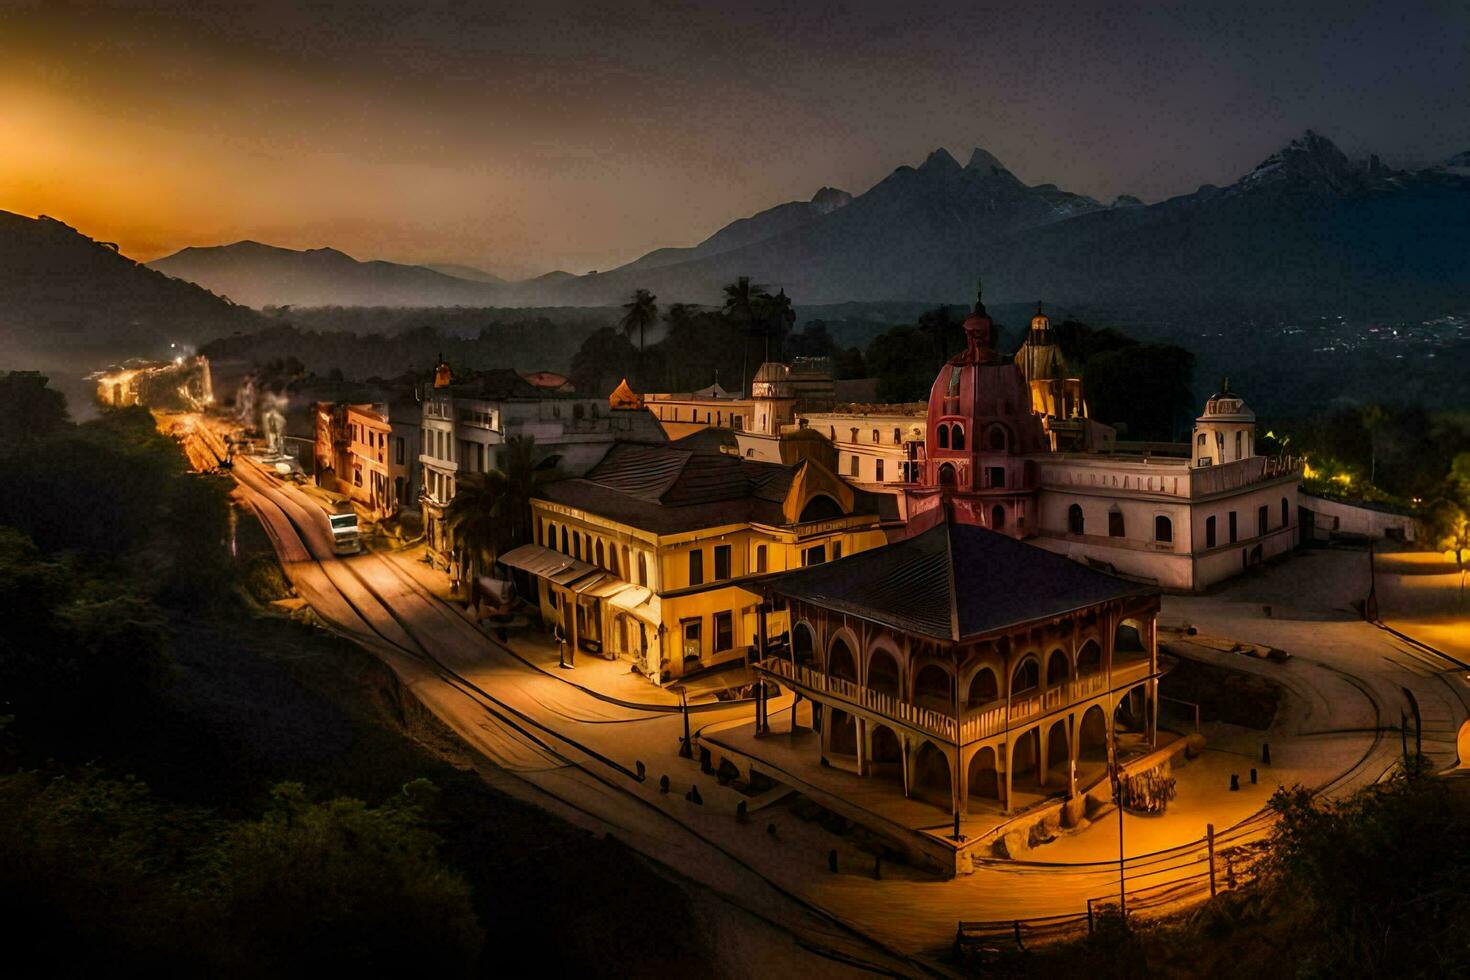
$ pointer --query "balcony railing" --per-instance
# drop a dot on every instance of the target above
(982, 722)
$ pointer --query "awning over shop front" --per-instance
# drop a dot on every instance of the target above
(639, 602)
(544, 563)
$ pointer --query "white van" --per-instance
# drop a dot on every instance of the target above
(345, 539)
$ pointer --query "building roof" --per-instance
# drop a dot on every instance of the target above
(670, 489)
(953, 582)
(502, 384)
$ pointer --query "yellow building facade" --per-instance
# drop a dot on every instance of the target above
(650, 556)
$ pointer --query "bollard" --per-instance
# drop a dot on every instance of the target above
(1253, 775)
(642, 772)
(741, 814)
(1266, 753)
(832, 861)
(1234, 781)
(663, 784)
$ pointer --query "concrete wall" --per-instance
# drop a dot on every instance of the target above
(1339, 517)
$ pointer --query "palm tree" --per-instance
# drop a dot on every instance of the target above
(640, 314)
(746, 304)
(491, 512)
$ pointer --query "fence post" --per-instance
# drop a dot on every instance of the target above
(1089, 916)
(1016, 925)
(1210, 837)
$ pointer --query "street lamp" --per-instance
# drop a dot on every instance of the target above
(686, 745)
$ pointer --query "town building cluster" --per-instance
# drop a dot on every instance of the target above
(961, 594)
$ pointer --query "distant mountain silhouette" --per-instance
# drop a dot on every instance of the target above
(266, 275)
(60, 290)
(463, 272)
(1305, 226)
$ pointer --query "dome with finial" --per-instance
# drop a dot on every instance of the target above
(979, 333)
(1226, 406)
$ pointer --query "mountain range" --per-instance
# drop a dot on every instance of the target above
(63, 291)
(1306, 225)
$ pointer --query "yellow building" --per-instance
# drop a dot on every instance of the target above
(653, 550)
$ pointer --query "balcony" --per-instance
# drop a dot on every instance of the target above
(982, 722)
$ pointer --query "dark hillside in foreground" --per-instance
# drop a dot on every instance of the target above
(63, 291)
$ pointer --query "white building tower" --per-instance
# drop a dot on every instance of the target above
(1226, 432)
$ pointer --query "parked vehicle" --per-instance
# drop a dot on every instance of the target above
(345, 537)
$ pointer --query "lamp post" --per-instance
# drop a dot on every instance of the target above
(1117, 780)
(686, 747)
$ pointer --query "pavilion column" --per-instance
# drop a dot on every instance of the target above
(903, 755)
(1071, 755)
(1043, 739)
(1152, 712)
(864, 746)
(962, 786)
(1010, 757)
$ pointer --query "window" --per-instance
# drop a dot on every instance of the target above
(577, 545)
(836, 549)
(722, 561)
(854, 433)
(601, 555)
(724, 631)
(944, 437)
(1237, 445)
(1232, 527)
(550, 539)
(1115, 523)
(696, 567)
(1202, 440)
(997, 475)
(1163, 529)
(853, 466)
(1075, 523)
(642, 569)
(998, 439)
(693, 639)
(1210, 531)
(814, 556)
(760, 559)
(897, 436)
(1263, 519)
(564, 542)
(997, 517)
(878, 470)
(957, 437)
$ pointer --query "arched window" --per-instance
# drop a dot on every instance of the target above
(957, 439)
(1238, 436)
(875, 437)
(642, 569)
(802, 644)
(1057, 668)
(997, 517)
(1075, 523)
(1163, 529)
(998, 438)
(1089, 658)
(577, 545)
(947, 475)
(943, 436)
(983, 688)
(760, 559)
(550, 539)
(564, 549)
(1027, 676)
(601, 555)
(627, 569)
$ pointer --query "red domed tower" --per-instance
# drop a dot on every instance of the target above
(981, 428)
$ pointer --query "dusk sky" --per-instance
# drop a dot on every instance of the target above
(579, 135)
